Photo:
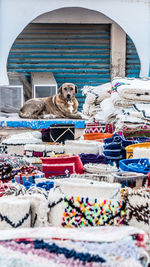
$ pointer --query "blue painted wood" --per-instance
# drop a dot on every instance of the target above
(132, 59)
(40, 124)
(75, 53)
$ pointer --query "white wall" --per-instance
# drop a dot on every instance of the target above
(73, 15)
(132, 15)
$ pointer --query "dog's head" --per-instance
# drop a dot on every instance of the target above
(68, 90)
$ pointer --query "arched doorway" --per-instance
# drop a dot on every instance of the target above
(78, 53)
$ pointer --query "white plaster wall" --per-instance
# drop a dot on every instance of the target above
(73, 15)
(132, 15)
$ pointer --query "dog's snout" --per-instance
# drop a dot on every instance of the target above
(68, 95)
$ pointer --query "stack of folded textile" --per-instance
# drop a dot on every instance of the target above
(131, 96)
(28, 174)
(94, 97)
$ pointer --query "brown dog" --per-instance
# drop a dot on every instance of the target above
(62, 105)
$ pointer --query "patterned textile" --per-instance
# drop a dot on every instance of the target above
(85, 203)
(138, 131)
(130, 179)
(14, 212)
(51, 249)
(61, 165)
(98, 127)
(3, 149)
(138, 208)
(60, 132)
(26, 174)
(81, 212)
(132, 88)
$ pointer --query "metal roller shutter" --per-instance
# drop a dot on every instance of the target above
(77, 53)
(132, 59)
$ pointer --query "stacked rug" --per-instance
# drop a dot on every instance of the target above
(126, 105)
(94, 97)
(130, 98)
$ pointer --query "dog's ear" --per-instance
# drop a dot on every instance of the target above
(76, 89)
(60, 90)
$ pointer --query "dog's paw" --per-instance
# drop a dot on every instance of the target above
(83, 116)
(49, 116)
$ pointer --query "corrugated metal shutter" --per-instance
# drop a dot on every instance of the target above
(77, 53)
(132, 59)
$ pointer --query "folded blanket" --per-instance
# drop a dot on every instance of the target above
(133, 113)
(130, 119)
(144, 108)
(109, 112)
(133, 89)
(136, 131)
(100, 92)
(119, 102)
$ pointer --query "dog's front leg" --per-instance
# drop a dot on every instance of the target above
(74, 116)
(48, 116)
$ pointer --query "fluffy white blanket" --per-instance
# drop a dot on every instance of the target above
(133, 88)
(120, 102)
(109, 112)
(96, 93)
(144, 108)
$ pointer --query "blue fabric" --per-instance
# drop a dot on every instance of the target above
(139, 139)
(92, 158)
(46, 185)
(135, 165)
(114, 147)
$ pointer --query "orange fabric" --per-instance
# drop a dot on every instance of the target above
(97, 136)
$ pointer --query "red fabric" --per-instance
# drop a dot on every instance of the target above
(37, 154)
(61, 165)
(148, 175)
(97, 127)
